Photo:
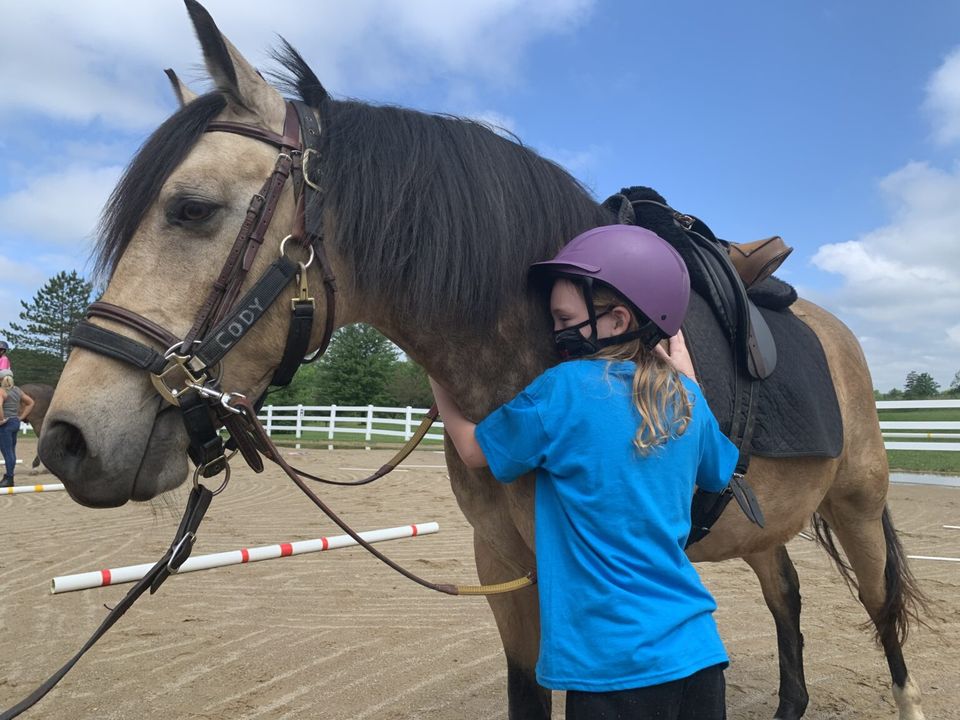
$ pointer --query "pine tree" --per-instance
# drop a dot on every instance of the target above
(48, 320)
(356, 367)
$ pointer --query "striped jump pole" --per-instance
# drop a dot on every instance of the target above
(19, 489)
(132, 573)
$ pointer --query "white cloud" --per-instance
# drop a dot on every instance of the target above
(943, 99)
(102, 60)
(900, 288)
(901, 282)
(61, 208)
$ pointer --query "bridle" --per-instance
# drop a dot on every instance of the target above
(186, 373)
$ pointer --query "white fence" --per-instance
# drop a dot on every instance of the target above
(929, 430)
(352, 422)
(367, 422)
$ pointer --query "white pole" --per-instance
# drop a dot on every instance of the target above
(132, 573)
(18, 489)
(933, 557)
(407, 422)
(269, 420)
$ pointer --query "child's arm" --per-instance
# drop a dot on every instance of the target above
(460, 430)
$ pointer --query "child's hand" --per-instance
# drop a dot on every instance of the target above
(677, 355)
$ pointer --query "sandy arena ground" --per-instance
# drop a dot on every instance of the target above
(339, 636)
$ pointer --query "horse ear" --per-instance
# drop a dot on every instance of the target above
(244, 88)
(183, 93)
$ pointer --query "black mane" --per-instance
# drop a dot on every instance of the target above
(430, 209)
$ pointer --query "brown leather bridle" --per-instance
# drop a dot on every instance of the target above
(186, 373)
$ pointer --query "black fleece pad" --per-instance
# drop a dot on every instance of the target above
(797, 412)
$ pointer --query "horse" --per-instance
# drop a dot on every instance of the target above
(429, 223)
(42, 395)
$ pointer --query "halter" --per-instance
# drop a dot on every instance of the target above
(186, 374)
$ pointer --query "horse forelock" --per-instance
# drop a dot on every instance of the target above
(140, 184)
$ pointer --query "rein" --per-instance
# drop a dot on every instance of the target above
(187, 373)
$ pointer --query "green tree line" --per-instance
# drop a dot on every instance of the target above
(921, 386)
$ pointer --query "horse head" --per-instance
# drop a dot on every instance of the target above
(166, 234)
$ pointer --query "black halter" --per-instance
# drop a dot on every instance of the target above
(185, 371)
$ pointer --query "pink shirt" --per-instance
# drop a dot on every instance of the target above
(4, 363)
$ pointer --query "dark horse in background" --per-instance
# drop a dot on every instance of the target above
(42, 395)
(430, 222)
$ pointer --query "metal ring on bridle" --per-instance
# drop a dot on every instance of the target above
(226, 474)
(283, 244)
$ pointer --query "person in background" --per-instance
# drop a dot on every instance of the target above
(619, 435)
(16, 406)
(4, 358)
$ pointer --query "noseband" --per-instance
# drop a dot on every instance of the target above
(187, 372)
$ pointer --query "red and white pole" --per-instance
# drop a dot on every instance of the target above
(132, 573)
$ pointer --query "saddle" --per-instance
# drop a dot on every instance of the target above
(720, 271)
(736, 349)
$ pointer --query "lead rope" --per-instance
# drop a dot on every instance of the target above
(266, 446)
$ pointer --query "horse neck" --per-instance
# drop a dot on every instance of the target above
(482, 369)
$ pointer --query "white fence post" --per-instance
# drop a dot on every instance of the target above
(407, 423)
(269, 427)
(299, 421)
(333, 419)
(369, 423)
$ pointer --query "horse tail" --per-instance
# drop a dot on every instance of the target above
(904, 601)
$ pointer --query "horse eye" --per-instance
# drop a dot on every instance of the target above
(191, 210)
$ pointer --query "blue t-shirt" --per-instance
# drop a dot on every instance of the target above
(621, 605)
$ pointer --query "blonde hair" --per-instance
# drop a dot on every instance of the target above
(657, 391)
(7, 382)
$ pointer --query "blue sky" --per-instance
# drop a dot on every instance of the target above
(835, 125)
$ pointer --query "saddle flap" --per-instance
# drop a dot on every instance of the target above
(761, 347)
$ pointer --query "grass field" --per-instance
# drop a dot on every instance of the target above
(922, 460)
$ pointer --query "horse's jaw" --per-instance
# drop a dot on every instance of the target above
(108, 460)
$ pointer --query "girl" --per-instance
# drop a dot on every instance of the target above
(618, 435)
(16, 406)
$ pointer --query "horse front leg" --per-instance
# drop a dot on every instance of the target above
(781, 591)
(518, 620)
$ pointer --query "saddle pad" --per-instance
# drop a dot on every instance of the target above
(797, 412)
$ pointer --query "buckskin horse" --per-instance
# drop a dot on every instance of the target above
(428, 224)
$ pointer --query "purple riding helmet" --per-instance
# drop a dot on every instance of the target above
(635, 262)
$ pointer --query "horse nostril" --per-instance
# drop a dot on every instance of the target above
(73, 441)
(62, 448)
